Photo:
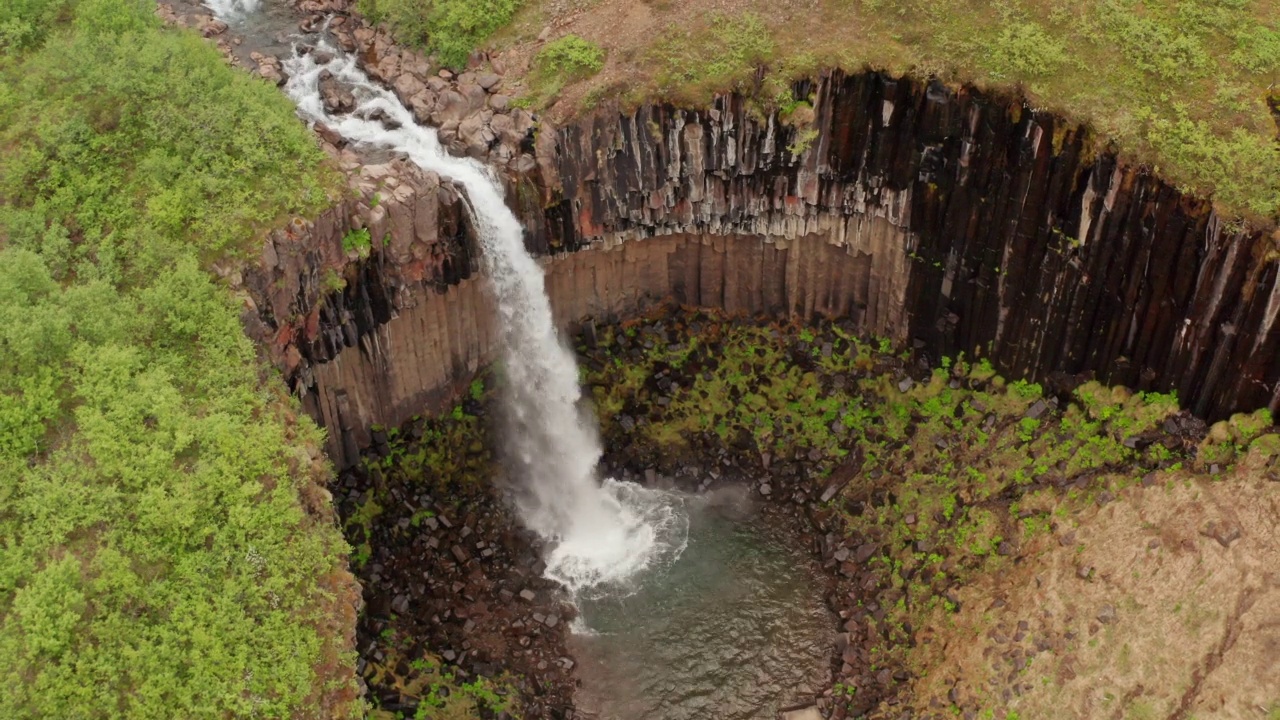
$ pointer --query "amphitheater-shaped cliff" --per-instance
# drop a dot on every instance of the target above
(947, 218)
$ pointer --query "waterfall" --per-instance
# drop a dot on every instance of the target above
(599, 533)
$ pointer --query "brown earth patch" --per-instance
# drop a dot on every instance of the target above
(1160, 604)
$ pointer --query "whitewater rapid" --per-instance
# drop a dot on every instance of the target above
(600, 533)
(228, 10)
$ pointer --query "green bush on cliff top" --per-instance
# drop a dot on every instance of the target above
(140, 145)
(449, 28)
(561, 61)
(156, 560)
(570, 56)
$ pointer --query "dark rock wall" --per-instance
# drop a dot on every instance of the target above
(1026, 244)
(950, 219)
(438, 340)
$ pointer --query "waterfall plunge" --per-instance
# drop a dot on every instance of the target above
(600, 533)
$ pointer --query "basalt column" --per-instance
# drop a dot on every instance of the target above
(954, 220)
(1025, 242)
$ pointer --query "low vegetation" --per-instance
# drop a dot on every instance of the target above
(451, 29)
(561, 61)
(165, 548)
(952, 475)
(127, 148)
(437, 692)
(722, 55)
(1182, 85)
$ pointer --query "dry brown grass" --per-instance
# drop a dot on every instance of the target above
(1195, 630)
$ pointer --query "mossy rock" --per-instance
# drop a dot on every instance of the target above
(1217, 447)
(982, 371)
(1219, 433)
(1265, 447)
(1247, 426)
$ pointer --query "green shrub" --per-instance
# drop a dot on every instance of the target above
(561, 61)
(1155, 45)
(570, 57)
(24, 24)
(156, 560)
(1024, 50)
(359, 240)
(143, 146)
(1239, 168)
(451, 29)
(722, 56)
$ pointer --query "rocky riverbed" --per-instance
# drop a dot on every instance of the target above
(451, 579)
(473, 114)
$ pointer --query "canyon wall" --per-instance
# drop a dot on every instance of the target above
(1029, 245)
(946, 218)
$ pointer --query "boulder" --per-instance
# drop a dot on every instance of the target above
(338, 101)
(336, 98)
(451, 107)
(416, 65)
(1037, 410)
(475, 96)
(212, 27)
(422, 104)
(504, 127)
(271, 73)
(407, 86)
(469, 130)
(364, 37)
(386, 68)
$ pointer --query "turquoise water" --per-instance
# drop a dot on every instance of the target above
(733, 630)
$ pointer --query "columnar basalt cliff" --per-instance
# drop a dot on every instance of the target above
(954, 220)
(1026, 244)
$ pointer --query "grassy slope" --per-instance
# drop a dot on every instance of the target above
(1179, 84)
(165, 550)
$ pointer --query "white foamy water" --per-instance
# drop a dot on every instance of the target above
(228, 10)
(601, 534)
